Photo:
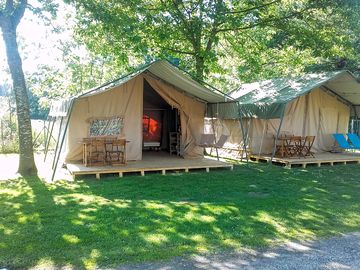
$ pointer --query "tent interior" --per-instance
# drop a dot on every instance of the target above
(160, 120)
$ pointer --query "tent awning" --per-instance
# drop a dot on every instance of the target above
(267, 99)
(174, 76)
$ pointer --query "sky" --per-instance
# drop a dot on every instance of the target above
(38, 45)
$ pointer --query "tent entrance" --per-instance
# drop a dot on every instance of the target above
(159, 121)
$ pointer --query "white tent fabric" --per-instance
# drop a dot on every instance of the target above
(124, 101)
(317, 113)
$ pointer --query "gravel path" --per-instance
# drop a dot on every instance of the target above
(333, 253)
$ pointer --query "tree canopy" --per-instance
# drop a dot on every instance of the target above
(213, 38)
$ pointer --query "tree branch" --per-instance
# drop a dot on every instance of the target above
(252, 8)
(19, 12)
(177, 51)
(2, 19)
(213, 33)
(264, 22)
(181, 17)
(9, 6)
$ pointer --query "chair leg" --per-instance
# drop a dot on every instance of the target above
(217, 153)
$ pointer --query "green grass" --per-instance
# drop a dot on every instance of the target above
(105, 223)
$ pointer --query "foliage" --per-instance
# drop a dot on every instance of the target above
(9, 142)
(36, 110)
(222, 41)
(80, 71)
(346, 51)
(90, 223)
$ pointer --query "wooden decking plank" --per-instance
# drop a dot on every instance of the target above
(161, 163)
(320, 159)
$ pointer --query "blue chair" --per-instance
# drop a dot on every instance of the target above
(342, 142)
(354, 139)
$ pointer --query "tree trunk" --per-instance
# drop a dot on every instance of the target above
(26, 164)
(199, 65)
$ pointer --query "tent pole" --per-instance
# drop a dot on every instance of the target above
(278, 133)
(262, 138)
(213, 127)
(247, 134)
(46, 133)
(62, 140)
(57, 141)
(242, 130)
(306, 114)
(49, 136)
(354, 125)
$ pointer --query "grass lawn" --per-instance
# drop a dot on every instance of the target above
(92, 223)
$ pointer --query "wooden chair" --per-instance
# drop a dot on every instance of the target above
(283, 146)
(280, 148)
(116, 151)
(308, 143)
(96, 152)
(295, 146)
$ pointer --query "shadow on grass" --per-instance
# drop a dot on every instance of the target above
(87, 223)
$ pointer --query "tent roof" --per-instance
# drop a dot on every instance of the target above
(161, 69)
(170, 74)
(283, 90)
(268, 99)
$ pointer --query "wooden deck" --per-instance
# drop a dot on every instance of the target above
(318, 160)
(151, 162)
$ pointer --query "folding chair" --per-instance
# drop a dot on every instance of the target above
(342, 142)
(354, 139)
(220, 143)
(306, 148)
(207, 140)
(294, 146)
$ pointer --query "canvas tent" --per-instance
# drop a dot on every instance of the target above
(159, 85)
(313, 104)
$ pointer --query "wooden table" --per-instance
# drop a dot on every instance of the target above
(105, 142)
(289, 146)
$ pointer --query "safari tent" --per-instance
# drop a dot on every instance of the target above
(313, 104)
(146, 105)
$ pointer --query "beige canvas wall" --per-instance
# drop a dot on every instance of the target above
(127, 101)
(316, 113)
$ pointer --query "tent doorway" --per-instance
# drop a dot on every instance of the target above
(160, 121)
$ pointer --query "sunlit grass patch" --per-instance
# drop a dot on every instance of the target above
(72, 239)
(91, 223)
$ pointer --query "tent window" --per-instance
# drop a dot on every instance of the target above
(106, 126)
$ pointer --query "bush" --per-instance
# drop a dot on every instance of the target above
(9, 141)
